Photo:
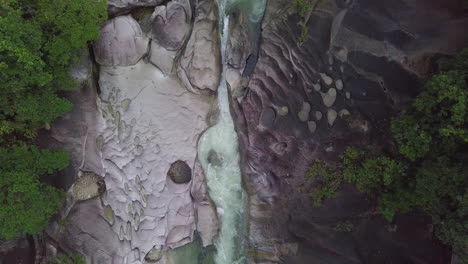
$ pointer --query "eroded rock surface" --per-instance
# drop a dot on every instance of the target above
(161, 125)
(341, 87)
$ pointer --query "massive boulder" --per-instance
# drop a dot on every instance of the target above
(170, 29)
(200, 64)
(121, 42)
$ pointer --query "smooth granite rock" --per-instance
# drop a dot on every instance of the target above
(172, 24)
(200, 64)
(329, 97)
(121, 42)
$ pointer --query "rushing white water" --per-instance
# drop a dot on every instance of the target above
(224, 176)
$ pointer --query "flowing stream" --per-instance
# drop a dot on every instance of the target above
(218, 152)
(220, 143)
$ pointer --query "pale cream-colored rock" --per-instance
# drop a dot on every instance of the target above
(86, 187)
(283, 111)
(331, 116)
(326, 79)
(108, 214)
(329, 97)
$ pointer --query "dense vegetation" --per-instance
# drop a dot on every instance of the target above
(303, 9)
(39, 40)
(430, 171)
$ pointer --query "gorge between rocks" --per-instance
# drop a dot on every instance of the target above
(195, 123)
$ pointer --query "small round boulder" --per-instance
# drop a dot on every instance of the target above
(180, 172)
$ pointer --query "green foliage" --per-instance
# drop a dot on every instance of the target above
(70, 258)
(303, 6)
(371, 174)
(434, 134)
(39, 41)
(70, 24)
(26, 202)
(329, 181)
(433, 137)
(345, 226)
(437, 119)
(304, 34)
(63, 222)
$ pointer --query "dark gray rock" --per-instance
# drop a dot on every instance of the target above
(370, 40)
(215, 159)
(267, 117)
(180, 172)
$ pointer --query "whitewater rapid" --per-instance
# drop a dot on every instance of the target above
(218, 153)
(224, 177)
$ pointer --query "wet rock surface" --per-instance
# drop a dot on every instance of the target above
(341, 86)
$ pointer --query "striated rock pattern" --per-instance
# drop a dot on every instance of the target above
(121, 42)
(340, 87)
(200, 64)
(142, 138)
(143, 120)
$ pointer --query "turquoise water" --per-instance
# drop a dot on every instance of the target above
(224, 178)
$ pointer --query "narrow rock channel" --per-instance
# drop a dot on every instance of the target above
(223, 171)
